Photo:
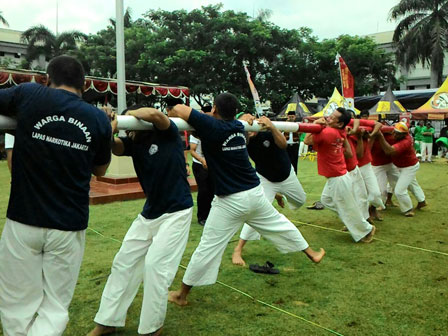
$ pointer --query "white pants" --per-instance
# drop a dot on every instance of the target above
(39, 269)
(373, 190)
(227, 215)
(385, 174)
(291, 188)
(303, 149)
(407, 181)
(360, 191)
(338, 196)
(426, 151)
(151, 252)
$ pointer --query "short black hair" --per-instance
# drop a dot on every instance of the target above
(227, 105)
(352, 113)
(365, 113)
(132, 108)
(345, 116)
(207, 108)
(171, 101)
(66, 70)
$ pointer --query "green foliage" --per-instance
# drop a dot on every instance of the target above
(372, 68)
(421, 34)
(205, 48)
(41, 41)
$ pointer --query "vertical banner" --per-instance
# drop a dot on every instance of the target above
(348, 82)
(254, 92)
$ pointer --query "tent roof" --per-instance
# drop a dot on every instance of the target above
(297, 105)
(388, 104)
(96, 84)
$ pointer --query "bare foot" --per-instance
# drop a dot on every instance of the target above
(102, 330)
(368, 239)
(175, 297)
(421, 204)
(409, 213)
(315, 256)
(237, 258)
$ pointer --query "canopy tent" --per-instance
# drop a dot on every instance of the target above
(410, 99)
(297, 105)
(388, 105)
(436, 108)
(336, 100)
(96, 85)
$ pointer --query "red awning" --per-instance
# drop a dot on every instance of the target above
(100, 85)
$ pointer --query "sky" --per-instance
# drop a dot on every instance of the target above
(327, 18)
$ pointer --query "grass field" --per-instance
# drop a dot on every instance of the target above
(384, 288)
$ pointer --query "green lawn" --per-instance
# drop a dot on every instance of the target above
(379, 289)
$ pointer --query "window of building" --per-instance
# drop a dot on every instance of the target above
(2, 53)
(17, 55)
(411, 87)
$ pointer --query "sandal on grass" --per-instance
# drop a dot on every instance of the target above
(267, 268)
(316, 206)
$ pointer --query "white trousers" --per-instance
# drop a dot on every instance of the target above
(407, 181)
(385, 174)
(39, 269)
(426, 149)
(151, 252)
(291, 188)
(227, 215)
(360, 191)
(303, 149)
(373, 190)
(338, 196)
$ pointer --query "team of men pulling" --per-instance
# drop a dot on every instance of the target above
(42, 243)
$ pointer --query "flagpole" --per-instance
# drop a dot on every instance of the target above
(121, 76)
(340, 73)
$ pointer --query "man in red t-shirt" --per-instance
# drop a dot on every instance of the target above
(359, 187)
(338, 191)
(385, 171)
(404, 158)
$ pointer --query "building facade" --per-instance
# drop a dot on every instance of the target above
(417, 77)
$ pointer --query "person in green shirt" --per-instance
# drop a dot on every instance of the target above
(427, 139)
(418, 137)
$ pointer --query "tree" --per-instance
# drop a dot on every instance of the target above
(372, 68)
(3, 20)
(43, 43)
(422, 34)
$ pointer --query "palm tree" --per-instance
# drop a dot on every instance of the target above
(42, 42)
(3, 20)
(422, 34)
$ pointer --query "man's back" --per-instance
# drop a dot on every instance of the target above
(59, 139)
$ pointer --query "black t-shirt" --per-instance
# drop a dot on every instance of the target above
(160, 166)
(59, 139)
(271, 162)
(224, 147)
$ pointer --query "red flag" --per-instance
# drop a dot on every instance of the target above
(347, 80)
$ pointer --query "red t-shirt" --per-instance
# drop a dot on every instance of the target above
(352, 162)
(405, 153)
(379, 158)
(367, 156)
(329, 144)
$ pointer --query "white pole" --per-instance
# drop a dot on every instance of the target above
(129, 123)
(121, 76)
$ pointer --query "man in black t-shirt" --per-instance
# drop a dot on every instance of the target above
(239, 196)
(275, 171)
(60, 141)
(154, 244)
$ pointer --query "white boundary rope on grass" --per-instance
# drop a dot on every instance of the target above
(374, 238)
(246, 294)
